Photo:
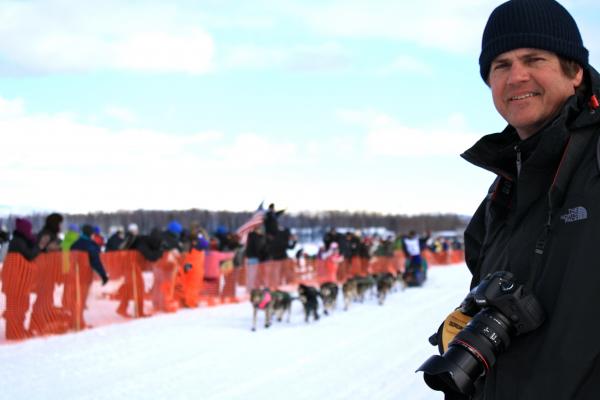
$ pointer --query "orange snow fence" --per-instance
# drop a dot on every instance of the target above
(59, 292)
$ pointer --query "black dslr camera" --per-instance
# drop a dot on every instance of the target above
(500, 309)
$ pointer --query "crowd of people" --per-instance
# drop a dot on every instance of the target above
(265, 242)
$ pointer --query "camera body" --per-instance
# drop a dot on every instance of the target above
(501, 309)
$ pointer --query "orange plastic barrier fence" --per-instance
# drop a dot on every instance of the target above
(17, 282)
(59, 292)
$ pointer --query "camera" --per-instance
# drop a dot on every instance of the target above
(501, 309)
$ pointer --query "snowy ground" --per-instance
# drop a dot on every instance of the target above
(371, 352)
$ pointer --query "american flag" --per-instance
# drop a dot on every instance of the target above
(254, 221)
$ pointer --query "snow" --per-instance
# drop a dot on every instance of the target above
(370, 351)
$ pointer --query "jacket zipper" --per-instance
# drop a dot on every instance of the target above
(518, 150)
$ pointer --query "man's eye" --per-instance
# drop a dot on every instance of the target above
(533, 60)
(499, 66)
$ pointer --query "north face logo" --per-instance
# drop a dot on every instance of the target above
(575, 214)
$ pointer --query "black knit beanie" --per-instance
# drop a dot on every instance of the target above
(538, 24)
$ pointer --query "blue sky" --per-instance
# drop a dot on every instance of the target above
(313, 105)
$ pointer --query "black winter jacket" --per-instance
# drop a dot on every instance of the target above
(20, 244)
(543, 225)
(256, 246)
(87, 245)
(150, 246)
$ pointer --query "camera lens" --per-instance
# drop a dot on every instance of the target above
(471, 354)
(473, 351)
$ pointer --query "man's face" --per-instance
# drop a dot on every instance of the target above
(529, 88)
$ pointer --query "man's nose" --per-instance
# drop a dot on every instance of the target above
(518, 73)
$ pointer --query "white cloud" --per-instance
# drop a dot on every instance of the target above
(407, 63)
(450, 25)
(386, 136)
(321, 57)
(251, 150)
(59, 35)
(120, 114)
(253, 56)
(10, 108)
(52, 161)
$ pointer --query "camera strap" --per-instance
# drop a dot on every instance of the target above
(577, 144)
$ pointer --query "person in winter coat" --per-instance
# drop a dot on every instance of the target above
(150, 247)
(97, 236)
(256, 252)
(86, 244)
(213, 261)
(48, 239)
(541, 218)
(77, 285)
(45, 317)
(71, 237)
(116, 240)
(4, 238)
(165, 271)
(17, 277)
(132, 232)
(414, 272)
(332, 260)
(271, 221)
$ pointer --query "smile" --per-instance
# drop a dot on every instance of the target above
(523, 96)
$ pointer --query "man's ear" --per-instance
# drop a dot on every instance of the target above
(578, 78)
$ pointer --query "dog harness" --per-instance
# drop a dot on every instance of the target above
(266, 300)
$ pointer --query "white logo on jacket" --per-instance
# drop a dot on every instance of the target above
(575, 214)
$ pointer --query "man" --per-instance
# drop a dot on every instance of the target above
(414, 271)
(271, 221)
(256, 252)
(540, 220)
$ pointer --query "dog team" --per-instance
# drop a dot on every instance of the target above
(278, 303)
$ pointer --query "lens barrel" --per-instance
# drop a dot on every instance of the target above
(470, 355)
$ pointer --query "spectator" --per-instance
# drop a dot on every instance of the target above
(48, 239)
(414, 275)
(17, 278)
(332, 260)
(45, 317)
(4, 237)
(256, 252)
(132, 232)
(212, 267)
(116, 240)
(165, 271)
(271, 221)
(172, 236)
(71, 237)
(97, 236)
(86, 244)
(78, 284)
(151, 248)
(281, 243)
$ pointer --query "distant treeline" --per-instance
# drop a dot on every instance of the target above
(211, 220)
